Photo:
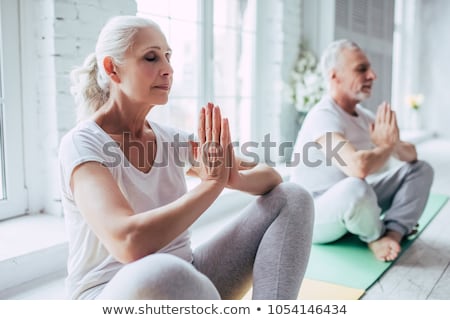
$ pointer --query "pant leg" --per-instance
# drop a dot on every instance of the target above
(349, 206)
(269, 242)
(159, 276)
(403, 192)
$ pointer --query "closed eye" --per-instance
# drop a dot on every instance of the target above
(151, 58)
(155, 56)
(362, 68)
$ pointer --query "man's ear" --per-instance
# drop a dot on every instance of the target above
(334, 75)
(111, 69)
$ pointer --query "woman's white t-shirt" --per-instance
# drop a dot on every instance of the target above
(89, 262)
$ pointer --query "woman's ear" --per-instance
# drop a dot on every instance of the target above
(111, 69)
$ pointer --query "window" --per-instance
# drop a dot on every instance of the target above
(13, 199)
(213, 46)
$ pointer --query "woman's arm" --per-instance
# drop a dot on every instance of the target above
(253, 178)
(126, 235)
(129, 236)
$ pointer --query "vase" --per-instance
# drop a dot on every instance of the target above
(414, 121)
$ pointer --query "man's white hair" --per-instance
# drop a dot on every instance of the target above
(330, 57)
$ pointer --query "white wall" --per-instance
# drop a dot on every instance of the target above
(291, 36)
(433, 64)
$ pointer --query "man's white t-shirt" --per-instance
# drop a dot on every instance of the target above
(311, 168)
(89, 262)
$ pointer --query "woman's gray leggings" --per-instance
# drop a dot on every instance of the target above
(268, 243)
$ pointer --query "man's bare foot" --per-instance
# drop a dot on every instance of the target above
(387, 248)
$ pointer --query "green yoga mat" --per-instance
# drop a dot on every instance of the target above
(349, 262)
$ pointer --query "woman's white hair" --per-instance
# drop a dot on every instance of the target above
(90, 83)
(330, 57)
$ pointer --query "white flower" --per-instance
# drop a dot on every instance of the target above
(414, 101)
(306, 82)
(311, 79)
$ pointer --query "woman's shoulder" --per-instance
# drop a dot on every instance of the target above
(85, 134)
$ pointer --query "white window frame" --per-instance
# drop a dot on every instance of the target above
(15, 203)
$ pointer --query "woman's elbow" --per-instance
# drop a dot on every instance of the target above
(123, 251)
(127, 253)
(128, 248)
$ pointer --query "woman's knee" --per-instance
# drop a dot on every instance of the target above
(292, 192)
(297, 201)
(165, 276)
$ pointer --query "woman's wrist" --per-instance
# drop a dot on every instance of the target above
(214, 184)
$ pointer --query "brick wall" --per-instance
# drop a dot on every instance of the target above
(77, 24)
(57, 35)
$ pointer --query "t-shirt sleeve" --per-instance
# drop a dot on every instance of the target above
(322, 121)
(77, 148)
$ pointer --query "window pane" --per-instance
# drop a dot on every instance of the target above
(153, 7)
(233, 62)
(235, 14)
(184, 41)
(186, 10)
(13, 195)
(238, 111)
(234, 43)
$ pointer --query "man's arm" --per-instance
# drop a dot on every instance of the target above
(360, 163)
(405, 151)
(356, 163)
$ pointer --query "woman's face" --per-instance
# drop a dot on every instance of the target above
(146, 74)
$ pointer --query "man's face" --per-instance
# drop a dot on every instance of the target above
(353, 76)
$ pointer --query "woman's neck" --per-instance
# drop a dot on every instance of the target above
(117, 118)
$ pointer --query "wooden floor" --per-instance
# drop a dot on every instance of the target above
(423, 271)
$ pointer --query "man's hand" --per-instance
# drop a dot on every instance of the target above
(384, 132)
